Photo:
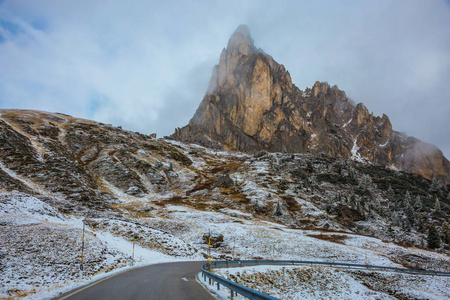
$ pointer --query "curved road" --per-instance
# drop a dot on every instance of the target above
(161, 281)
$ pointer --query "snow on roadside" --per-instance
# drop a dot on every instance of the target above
(48, 243)
(41, 249)
(318, 282)
(241, 234)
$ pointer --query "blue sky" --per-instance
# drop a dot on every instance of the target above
(145, 65)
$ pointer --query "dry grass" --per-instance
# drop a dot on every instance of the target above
(335, 238)
(227, 168)
(292, 204)
(196, 203)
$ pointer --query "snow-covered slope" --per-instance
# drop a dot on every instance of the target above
(57, 171)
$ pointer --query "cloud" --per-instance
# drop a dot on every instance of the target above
(146, 65)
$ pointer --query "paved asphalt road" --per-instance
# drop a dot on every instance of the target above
(162, 281)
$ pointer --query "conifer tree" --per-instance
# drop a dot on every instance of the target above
(377, 204)
(352, 202)
(433, 239)
(408, 197)
(406, 225)
(436, 187)
(445, 232)
(409, 212)
(360, 208)
(351, 172)
(437, 206)
(390, 190)
(278, 211)
(394, 218)
(407, 200)
(418, 205)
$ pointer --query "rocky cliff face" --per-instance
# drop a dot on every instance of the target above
(252, 105)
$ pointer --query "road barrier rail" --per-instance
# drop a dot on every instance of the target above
(255, 295)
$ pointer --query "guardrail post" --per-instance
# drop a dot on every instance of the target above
(231, 294)
(209, 281)
(218, 286)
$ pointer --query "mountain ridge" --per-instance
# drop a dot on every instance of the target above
(251, 105)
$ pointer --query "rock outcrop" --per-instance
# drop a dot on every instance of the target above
(82, 161)
(252, 105)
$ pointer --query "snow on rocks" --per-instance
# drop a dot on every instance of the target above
(355, 154)
(25, 206)
(147, 237)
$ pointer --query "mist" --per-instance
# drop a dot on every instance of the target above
(146, 65)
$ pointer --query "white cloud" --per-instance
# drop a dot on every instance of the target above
(146, 64)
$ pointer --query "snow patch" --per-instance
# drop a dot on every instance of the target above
(355, 154)
(345, 125)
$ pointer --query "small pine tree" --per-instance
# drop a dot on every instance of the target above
(278, 211)
(390, 190)
(435, 185)
(377, 203)
(436, 188)
(433, 239)
(394, 218)
(437, 206)
(406, 225)
(420, 227)
(339, 169)
(365, 184)
(352, 203)
(417, 205)
(360, 207)
(409, 212)
(407, 201)
(445, 232)
(351, 173)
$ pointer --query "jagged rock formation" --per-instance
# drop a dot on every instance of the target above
(252, 105)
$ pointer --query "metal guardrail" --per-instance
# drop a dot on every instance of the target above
(255, 295)
(235, 287)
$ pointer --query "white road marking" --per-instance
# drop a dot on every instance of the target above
(185, 279)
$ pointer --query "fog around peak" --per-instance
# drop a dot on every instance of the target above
(146, 66)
